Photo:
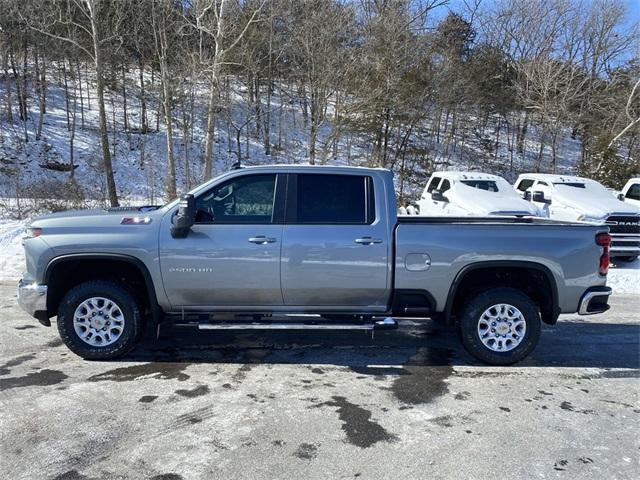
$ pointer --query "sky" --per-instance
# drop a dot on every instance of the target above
(632, 6)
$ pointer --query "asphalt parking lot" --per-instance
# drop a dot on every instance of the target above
(408, 404)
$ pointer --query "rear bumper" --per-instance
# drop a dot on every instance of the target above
(32, 298)
(594, 300)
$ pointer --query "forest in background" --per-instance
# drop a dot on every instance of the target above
(412, 85)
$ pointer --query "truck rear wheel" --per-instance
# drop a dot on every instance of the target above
(99, 320)
(500, 326)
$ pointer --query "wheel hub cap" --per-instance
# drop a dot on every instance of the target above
(502, 327)
(98, 321)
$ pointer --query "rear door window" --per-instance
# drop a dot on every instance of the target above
(332, 199)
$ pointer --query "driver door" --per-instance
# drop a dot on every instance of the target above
(231, 256)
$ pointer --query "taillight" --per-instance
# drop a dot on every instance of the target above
(604, 241)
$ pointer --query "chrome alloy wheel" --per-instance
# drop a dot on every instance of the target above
(98, 321)
(502, 327)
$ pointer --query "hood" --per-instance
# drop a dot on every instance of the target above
(92, 217)
(483, 202)
(592, 202)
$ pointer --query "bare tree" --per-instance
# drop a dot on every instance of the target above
(214, 20)
(90, 26)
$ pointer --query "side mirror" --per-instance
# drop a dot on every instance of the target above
(437, 196)
(621, 197)
(527, 195)
(185, 217)
(539, 197)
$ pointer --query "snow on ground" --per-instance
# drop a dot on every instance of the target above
(625, 278)
(11, 252)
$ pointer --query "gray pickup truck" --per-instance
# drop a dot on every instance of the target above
(304, 247)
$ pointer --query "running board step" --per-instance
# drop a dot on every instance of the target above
(384, 324)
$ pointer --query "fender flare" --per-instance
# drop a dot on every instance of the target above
(156, 311)
(547, 317)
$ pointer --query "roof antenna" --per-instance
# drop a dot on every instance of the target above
(237, 165)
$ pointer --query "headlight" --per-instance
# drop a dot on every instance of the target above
(590, 219)
(31, 232)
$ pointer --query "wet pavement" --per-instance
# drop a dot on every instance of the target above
(409, 403)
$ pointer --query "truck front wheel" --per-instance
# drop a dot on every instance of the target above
(99, 320)
(500, 326)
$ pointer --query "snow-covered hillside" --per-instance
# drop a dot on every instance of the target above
(140, 159)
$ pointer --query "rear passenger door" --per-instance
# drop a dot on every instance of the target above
(335, 245)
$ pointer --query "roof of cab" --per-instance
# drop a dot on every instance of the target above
(328, 168)
(554, 178)
(460, 175)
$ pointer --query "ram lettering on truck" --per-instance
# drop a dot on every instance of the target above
(273, 241)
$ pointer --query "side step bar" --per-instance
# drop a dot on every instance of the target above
(384, 324)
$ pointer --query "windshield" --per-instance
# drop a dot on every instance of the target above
(487, 185)
(589, 187)
(576, 185)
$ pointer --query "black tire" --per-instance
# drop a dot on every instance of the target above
(132, 326)
(627, 259)
(473, 311)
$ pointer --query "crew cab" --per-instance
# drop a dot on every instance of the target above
(570, 198)
(630, 193)
(257, 246)
(471, 193)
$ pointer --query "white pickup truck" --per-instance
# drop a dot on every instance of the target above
(630, 193)
(570, 198)
(472, 193)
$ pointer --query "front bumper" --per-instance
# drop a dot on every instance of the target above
(32, 298)
(594, 300)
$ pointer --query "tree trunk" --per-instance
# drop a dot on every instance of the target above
(522, 134)
(66, 94)
(124, 101)
(22, 97)
(7, 90)
(497, 142)
(185, 141)
(302, 92)
(80, 91)
(143, 101)
(114, 129)
(104, 135)
(209, 136)
(72, 131)
(239, 145)
(86, 77)
(41, 82)
(170, 186)
(313, 136)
